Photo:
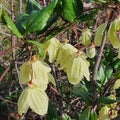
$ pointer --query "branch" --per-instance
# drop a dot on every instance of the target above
(4, 73)
(8, 50)
(20, 6)
(9, 35)
(8, 11)
(97, 62)
(8, 101)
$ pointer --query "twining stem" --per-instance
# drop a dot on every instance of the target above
(97, 62)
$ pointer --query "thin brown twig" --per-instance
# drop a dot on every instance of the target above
(8, 101)
(6, 34)
(4, 73)
(8, 50)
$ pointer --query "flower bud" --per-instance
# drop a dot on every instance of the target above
(86, 37)
(90, 51)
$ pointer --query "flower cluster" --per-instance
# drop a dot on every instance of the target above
(36, 75)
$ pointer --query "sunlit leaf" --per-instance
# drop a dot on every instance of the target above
(38, 19)
(6, 19)
(99, 34)
(68, 10)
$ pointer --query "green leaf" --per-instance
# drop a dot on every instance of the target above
(83, 95)
(78, 7)
(20, 21)
(117, 75)
(109, 72)
(52, 19)
(88, 16)
(116, 65)
(106, 100)
(32, 5)
(85, 114)
(65, 117)
(38, 45)
(93, 115)
(6, 19)
(101, 74)
(68, 10)
(99, 34)
(38, 19)
(52, 112)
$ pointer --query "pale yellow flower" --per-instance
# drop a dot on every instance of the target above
(36, 72)
(33, 98)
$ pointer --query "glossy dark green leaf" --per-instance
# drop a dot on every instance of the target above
(38, 19)
(78, 7)
(116, 65)
(6, 19)
(87, 16)
(93, 115)
(68, 11)
(52, 19)
(106, 100)
(20, 21)
(38, 45)
(85, 114)
(32, 5)
(52, 112)
(83, 95)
